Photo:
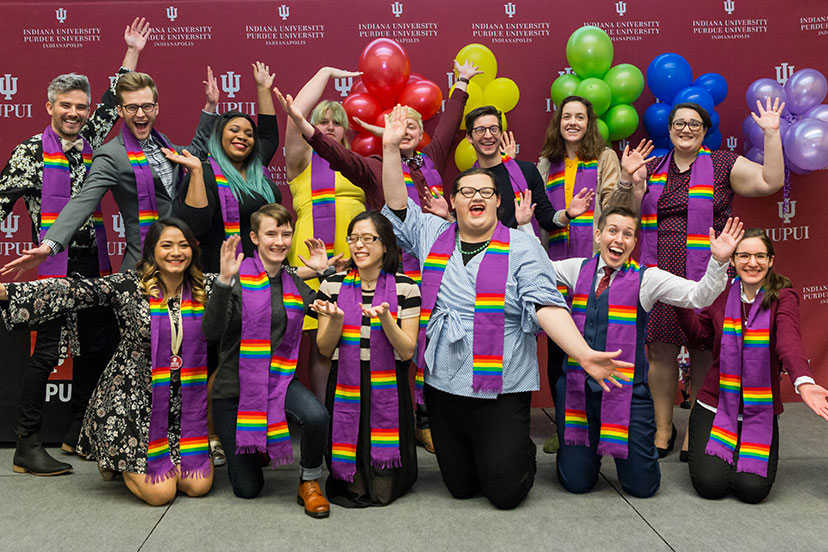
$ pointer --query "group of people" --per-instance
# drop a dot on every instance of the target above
(220, 285)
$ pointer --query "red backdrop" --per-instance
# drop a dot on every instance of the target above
(740, 39)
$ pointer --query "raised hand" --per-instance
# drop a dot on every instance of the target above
(768, 118)
(508, 144)
(466, 69)
(602, 367)
(186, 159)
(722, 247)
(436, 204)
(524, 208)
(632, 160)
(327, 308)
(378, 311)
(135, 35)
(211, 91)
(287, 104)
(229, 261)
(262, 75)
(395, 127)
(317, 255)
(28, 260)
(581, 202)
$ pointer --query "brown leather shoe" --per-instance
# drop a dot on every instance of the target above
(423, 438)
(310, 496)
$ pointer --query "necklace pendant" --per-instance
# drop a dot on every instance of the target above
(175, 362)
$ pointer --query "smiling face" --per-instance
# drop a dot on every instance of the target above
(686, 140)
(574, 122)
(616, 240)
(139, 123)
(752, 271)
(487, 144)
(173, 253)
(412, 137)
(237, 140)
(69, 113)
(273, 241)
(475, 214)
(366, 255)
(328, 126)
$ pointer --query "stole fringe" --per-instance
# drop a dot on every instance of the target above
(280, 461)
(719, 454)
(198, 473)
(158, 478)
(575, 442)
(386, 464)
(250, 449)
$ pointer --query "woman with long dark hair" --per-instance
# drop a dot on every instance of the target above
(147, 418)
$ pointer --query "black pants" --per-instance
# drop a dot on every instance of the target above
(301, 406)
(483, 445)
(713, 477)
(97, 333)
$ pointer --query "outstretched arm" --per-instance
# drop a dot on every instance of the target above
(393, 186)
(135, 36)
(403, 339)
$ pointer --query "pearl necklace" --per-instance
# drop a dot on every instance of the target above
(476, 251)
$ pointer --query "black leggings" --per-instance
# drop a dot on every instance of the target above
(713, 477)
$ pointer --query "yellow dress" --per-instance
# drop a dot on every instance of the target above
(350, 201)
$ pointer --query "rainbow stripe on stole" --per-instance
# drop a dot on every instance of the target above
(282, 366)
(254, 348)
(193, 446)
(730, 383)
(138, 159)
(346, 393)
(193, 375)
(277, 432)
(732, 326)
(756, 338)
(158, 449)
(343, 452)
(490, 365)
(230, 228)
(575, 418)
(55, 161)
(726, 438)
(755, 451)
(385, 438)
(251, 421)
(757, 396)
(254, 282)
(556, 181)
(325, 197)
(160, 374)
(614, 433)
(579, 303)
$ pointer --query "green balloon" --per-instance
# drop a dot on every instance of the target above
(563, 86)
(626, 83)
(597, 92)
(603, 129)
(622, 120)
(589, 52)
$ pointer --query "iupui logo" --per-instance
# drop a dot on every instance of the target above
(118, 225)
(787, 215)
(10, 225)
(284, 12)
(729, 6)
(344, 85)
(8, 86)
(510, 9)
(397, 9)
(450, 75)
(783, 72)
(620, 8)
(60, 15)
(172, 13)
(550, 107)
(230, 83)
(732, 142)
(566, 71)
(623, 144)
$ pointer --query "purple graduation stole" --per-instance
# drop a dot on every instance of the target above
(574, 240)
(621, 334)
(229, 204)
(264, 374)
(385, 424)
(518, 181)
(434, 182)
(490, 293)
(699, 214)
(55, 194)
(147, 205)
(192, 362)
(323, 201)
(744, 373)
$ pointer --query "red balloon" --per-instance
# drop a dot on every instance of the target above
(359, 88)
(381, 117)
(424, 96)
(426, 140)
(414, 77)
(385, 70)
(367, 144)
(363, 106)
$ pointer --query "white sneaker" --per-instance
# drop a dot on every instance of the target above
(217, 452)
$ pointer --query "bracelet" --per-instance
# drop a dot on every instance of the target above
(325, 273)
(567, 215)
(463, 79)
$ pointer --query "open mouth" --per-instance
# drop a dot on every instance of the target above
(241, 146)
(142, 126)
(477, 210)
(615, 253)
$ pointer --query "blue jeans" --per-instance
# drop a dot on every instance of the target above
(301, 406)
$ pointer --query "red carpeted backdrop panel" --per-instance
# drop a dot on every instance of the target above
(741, 39)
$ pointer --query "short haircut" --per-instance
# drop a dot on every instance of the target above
(471, 172)
(412, 113)
(481, 111)
(337, 113)
(66, 83)
(385, 231)
(707, 122)
(132, 82)
(619, 210)
(277, 212)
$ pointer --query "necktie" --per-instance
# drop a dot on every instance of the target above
(414, 162)
(70, 144)
(604, 283)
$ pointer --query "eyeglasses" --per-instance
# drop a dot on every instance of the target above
(364, 238)
(481, 130)
(693, 124)
(147, 108)
(744, 257)
(468, 191)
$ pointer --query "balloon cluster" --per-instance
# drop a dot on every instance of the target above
(803, 126)
(386, 81)
(612, 90)
(484, 89)
(671, 80)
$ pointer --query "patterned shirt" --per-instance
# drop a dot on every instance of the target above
(158, 162)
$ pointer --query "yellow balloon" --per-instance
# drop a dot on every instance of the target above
(464, 156)
(483, 58)
(474, 101)
(505, 124)
(502, 93)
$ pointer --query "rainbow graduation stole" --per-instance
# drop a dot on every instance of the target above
(574, 240)
(699, 213)
(228, 202)
(323, 201)
(744, 374)
(144, 182)
(490, 293)
(518, 181)
(385, 423)
(622, 312)
(55, 194)
(193, 446)
(265, 373)
(434, 184)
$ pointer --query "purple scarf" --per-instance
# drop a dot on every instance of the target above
(576, 239)
(264, 374)
(385, 424)
(434, 183)
(228, 202)
(744, 373)
(621, 334)
(192, 362)
(55, 194)
(518, 181)
(490, 292)
(699, 214)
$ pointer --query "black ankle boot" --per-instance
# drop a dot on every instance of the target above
(30, 456)
(70, 440)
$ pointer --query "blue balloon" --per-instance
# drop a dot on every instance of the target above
(715, 84)
(659, 152)
(662, 142)
(655, 119)
(714, 119)
(713, 140)
(696, 95)
(667, 74)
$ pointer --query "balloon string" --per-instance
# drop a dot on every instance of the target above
(786, 194)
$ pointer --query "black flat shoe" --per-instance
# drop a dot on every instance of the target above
(684, 456)
(662, 452)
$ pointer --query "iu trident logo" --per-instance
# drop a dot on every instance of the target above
(118, 224)
(9, 226)
(284, 12)
(172, 13)
(729, 6)
(732, 143)
(783, 71)
(621, 8)
(8, 86)
(343, 85)
(396, 9)
(230, 83)
(510, 9)
(787, 215)
(60, 15)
